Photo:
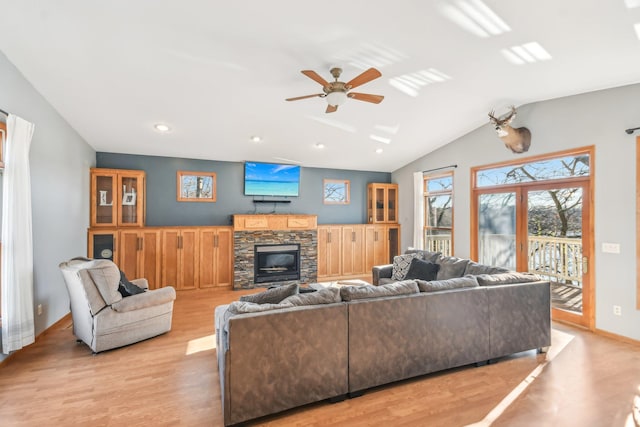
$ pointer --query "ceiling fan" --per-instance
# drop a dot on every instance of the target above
(336, 93)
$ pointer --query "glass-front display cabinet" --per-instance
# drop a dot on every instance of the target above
(382, 203)
(117, 197)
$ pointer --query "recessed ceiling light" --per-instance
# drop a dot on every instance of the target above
(161, 127)
(320, 145)
(255, 138)
(637, 27)
(379, 150)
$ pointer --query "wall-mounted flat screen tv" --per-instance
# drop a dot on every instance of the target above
(271, 179)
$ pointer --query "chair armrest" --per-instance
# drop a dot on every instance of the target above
(141, 283)
(381, 271)
(145, 299)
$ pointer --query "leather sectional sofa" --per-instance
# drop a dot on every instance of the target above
(274, 357)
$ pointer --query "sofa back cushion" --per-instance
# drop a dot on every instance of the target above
(273, 295)
(322, 296)
(451, 267)
(475, 269)
(106, 277)
(422, 270)
(448, 284)
(242, 307)
(506, 278)
(425, 255)
(406, 287)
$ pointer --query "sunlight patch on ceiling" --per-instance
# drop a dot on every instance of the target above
(411, 83)
(393, 130)
(475, 17)
(637, 27)
(382, 139)
(334, 123)
(369, 55)
(632, 3)
(527, 53)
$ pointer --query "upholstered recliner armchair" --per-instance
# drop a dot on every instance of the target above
(102, 318)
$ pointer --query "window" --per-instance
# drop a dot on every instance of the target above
(438, 209)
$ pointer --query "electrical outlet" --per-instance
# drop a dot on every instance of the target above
(617, 310)
(39, 309)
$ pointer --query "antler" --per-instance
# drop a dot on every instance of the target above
(501, 121)
(492, 117)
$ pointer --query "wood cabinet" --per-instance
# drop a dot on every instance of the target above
(139, 254)
(382, 203)
(353, 250)
(103, 244)
(117, 198)
(329, 250)
(216, 257)
(180, 257)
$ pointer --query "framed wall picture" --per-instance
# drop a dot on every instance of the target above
(196, 186)
(336, 191)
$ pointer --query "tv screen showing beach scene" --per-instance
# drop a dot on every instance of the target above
(271, 179)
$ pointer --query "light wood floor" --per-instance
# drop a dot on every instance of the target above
(172, 380)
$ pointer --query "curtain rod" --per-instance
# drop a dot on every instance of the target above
(443, 167)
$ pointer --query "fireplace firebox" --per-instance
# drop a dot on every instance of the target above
(276, 263)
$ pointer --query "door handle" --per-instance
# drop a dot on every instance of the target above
(585, 265)
(353, 236)
(329, 237)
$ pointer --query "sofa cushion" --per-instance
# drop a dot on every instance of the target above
(451, 267)
(273, 295)
(405, 287)
(426, 255)
(242, 307)
(401, 264)
(475, 268)
(385, 281)
(423, 270)
(323, 296)
(443, 285)
(506, 278)
(106, 278)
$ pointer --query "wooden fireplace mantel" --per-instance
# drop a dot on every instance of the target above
(274, 222)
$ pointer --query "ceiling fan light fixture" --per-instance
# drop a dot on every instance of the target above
(336, 98)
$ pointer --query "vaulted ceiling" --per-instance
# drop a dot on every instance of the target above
(217, 73)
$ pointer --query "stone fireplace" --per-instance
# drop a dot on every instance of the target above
(258, 236)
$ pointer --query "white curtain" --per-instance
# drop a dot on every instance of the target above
(418, 210)
(17, 245)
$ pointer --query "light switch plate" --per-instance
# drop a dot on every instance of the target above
(611, 248)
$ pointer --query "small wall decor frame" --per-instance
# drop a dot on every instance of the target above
(196, 186)
(336, 191)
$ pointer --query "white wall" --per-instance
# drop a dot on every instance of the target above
(596, 118)
(60, 160)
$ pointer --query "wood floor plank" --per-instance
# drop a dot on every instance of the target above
(172, 380)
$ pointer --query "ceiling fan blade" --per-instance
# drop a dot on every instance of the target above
(367, 97)
(305, 97)
(315, 76)
(363, 78)
(331, 108)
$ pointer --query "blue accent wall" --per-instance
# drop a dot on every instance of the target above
(163, 209)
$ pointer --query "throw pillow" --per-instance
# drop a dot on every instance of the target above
(443, 285)
(506, 278)
(451, 267)
(423, 270)
(323, 296)
(405, 287)
(272, 296)
(401, 264)
(126, 288)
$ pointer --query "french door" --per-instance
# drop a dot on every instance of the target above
(543, 228)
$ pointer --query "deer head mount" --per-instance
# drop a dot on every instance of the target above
(517, 140)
